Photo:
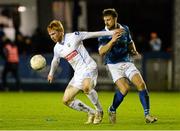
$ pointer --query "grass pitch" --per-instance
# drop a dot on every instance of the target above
(45, 111)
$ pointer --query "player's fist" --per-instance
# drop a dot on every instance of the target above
(119, 31)
(117, 34)
(50, 78)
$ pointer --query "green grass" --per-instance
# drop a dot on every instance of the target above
(45, 111)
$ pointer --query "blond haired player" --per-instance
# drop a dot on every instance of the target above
(70, 47)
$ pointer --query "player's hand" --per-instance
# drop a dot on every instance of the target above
(117, 34)
(50, 78)
(136, 56)
(115, 37)
(119, 31)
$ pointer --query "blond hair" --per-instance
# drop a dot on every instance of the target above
(55, 25)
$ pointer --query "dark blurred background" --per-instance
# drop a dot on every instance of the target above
(24, 23)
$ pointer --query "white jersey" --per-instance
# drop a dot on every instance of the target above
(73, 50)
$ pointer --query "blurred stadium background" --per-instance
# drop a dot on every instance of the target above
(28, 19)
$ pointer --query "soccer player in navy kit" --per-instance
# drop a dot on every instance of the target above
(117, 51)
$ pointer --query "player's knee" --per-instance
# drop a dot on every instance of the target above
(141, 86)
(86, 89)
(66, 101)
(124, 91)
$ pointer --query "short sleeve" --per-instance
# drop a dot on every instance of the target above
(129, 38)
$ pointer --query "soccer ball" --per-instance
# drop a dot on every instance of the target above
(38, 62)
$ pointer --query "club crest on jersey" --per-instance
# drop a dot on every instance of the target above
(76, 33)
(71, 55)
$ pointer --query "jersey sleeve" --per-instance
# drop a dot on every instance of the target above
(129, 38)
(87, 35)
(54, 63)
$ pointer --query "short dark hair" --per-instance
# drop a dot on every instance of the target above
(110, 11)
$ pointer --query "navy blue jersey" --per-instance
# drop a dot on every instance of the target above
(119, 51)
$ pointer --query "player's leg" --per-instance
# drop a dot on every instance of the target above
(70, 101)
(143, 93)
(77, 81)
(138, 81)
(88, 88)
(91, 94)
(123, 87)
(117, 73)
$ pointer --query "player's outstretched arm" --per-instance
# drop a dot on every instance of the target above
(87, 35)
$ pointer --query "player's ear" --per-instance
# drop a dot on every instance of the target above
(115, 19)
(62, 33)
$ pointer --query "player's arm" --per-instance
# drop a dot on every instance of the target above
(87, 35)
(103, 49)
(54, 65)
(132, 48)
(133, 51)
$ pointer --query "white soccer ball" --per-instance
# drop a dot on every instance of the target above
(38, 62)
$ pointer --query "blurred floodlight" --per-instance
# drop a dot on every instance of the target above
(21, 8)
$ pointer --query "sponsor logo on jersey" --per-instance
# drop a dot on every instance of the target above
(71, 55)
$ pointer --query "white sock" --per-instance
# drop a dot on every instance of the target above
(93, 96)
(80, 106)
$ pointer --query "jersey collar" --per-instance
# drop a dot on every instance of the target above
(119, 25)
(62, 42)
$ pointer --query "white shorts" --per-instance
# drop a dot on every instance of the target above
(79, 76)
(123, 69)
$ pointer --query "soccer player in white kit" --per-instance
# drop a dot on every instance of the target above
(70, 47)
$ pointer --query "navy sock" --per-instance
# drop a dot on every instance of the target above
(144, 98)
(118, 98)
